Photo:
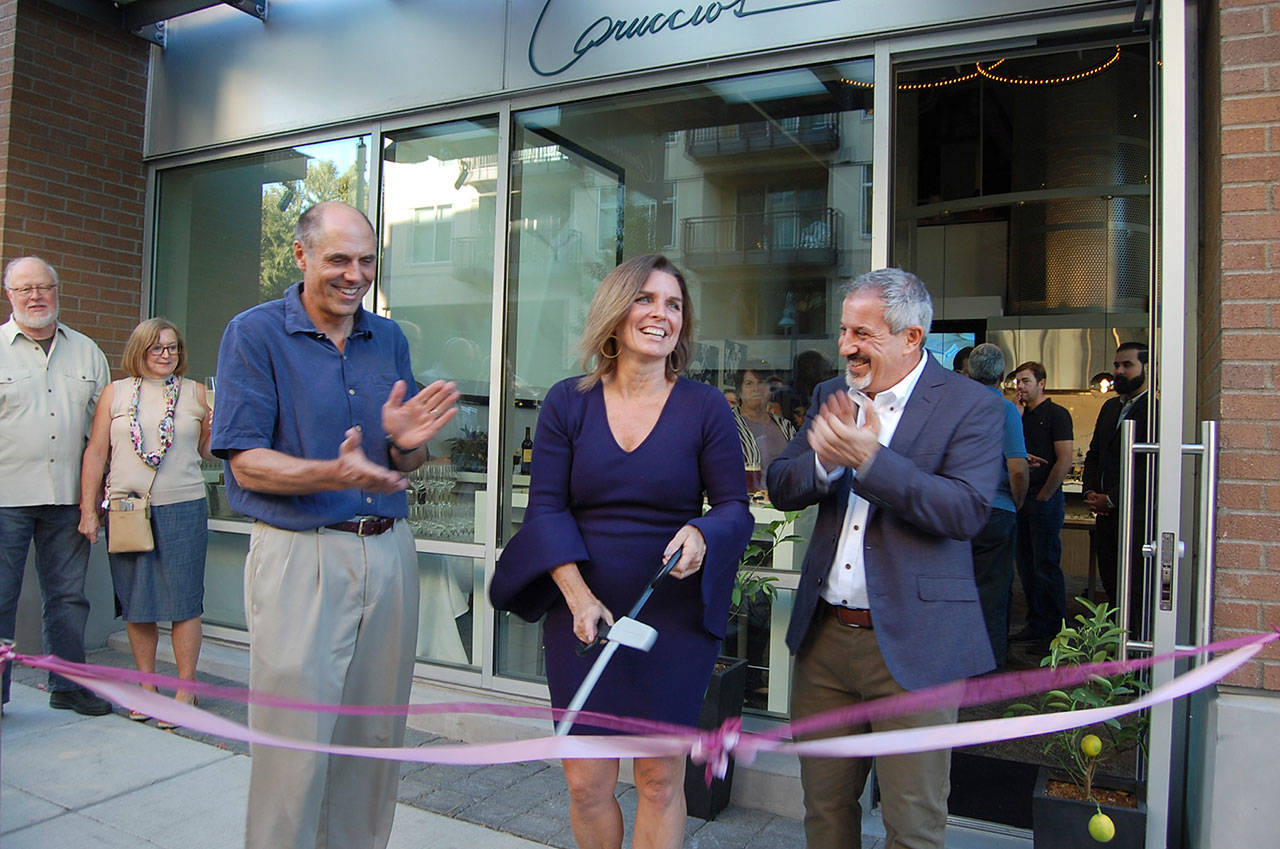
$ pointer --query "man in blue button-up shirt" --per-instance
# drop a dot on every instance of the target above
(313, 420)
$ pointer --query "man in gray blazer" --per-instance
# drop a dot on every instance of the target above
(902, 457)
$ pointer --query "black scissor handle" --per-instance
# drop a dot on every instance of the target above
(667, 567)
(602, 633)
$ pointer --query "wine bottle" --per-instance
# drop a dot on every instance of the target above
(526, 453)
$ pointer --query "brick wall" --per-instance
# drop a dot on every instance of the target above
(1240, 314)
(72, 181)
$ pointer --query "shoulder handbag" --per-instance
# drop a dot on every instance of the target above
(129, 524)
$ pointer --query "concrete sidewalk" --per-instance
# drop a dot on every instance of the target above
(110, 783)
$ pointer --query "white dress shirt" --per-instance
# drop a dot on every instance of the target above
(846, 584)
(46, 412)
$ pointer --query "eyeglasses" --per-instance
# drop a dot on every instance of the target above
(164, 350)
(28, 291)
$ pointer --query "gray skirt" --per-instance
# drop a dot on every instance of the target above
(166, 584)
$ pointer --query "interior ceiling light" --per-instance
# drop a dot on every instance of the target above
(986, 72)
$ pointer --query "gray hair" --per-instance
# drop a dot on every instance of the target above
(906, 300)
(986, 364)
(13, 263)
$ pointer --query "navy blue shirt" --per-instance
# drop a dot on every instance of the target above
(284, 385)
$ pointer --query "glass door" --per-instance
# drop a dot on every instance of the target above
(1022, 195)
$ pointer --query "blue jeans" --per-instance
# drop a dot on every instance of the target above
(1039, 563)
(62, 559)
(993, 573)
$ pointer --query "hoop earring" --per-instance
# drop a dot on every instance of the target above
(673, 362)
(605, 353)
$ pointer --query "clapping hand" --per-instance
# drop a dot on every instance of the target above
(411, 424)
(357, 471)
(837, 438)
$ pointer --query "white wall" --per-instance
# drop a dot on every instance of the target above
(1240, 749)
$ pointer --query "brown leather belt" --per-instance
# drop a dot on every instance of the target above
(368, 526)
(854, 617)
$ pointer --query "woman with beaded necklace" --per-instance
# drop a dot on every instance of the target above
(153, 427)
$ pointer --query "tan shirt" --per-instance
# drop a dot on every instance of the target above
(46, 412)
(179, 477)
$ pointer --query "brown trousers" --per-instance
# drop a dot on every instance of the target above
(839, 666)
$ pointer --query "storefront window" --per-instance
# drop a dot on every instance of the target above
(224, 242)
(436, 281)
(449, 625)
(224, 579)
(1023, 200)
(755, 187)
(224, 233)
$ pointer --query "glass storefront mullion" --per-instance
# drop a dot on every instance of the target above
(498, 376)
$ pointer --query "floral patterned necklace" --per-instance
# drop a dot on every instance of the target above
(153, 458)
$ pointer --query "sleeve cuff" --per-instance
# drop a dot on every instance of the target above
(824, 478)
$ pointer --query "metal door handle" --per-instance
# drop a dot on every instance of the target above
(1169, 549)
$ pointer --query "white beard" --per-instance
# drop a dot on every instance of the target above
(858, 384)
(22, 318)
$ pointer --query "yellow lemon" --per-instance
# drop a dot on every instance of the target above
(1091, 745)
(1101, 828)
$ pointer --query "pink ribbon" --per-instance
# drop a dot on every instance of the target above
(712, 748)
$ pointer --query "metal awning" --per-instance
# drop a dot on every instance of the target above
(146, 18)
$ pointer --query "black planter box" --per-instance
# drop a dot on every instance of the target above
(1064, 823)
(723, 701)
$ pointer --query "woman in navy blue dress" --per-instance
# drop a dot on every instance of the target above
(622, 460)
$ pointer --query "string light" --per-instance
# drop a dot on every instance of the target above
(987, 73)
(1069, 78)
(943, 83)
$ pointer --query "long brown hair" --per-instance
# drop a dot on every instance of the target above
(609, 307)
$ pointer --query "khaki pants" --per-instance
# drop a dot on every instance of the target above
(839, 666)
(332, 619)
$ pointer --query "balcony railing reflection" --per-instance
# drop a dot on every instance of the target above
(801, 237)
(816, 132)
(472, 258)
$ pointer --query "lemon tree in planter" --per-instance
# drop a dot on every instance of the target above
(1099, 812)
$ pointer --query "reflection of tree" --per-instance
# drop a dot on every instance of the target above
(639, 230)
(282, 203)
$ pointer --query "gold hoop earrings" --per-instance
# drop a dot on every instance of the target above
(604, 353)
(673, 362)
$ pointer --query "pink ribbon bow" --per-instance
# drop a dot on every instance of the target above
(715, 747)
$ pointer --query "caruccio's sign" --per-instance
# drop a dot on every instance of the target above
(551, 52)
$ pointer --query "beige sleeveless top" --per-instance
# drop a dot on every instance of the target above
(178, 478)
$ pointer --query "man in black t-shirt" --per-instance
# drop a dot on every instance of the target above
(1047, 430)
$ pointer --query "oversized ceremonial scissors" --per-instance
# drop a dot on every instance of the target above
(627, 631)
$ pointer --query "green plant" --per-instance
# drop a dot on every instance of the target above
(749, 583)
(470, 450)
(1093, 639)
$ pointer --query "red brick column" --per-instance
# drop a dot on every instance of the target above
(72, 181)
(1240, 313)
